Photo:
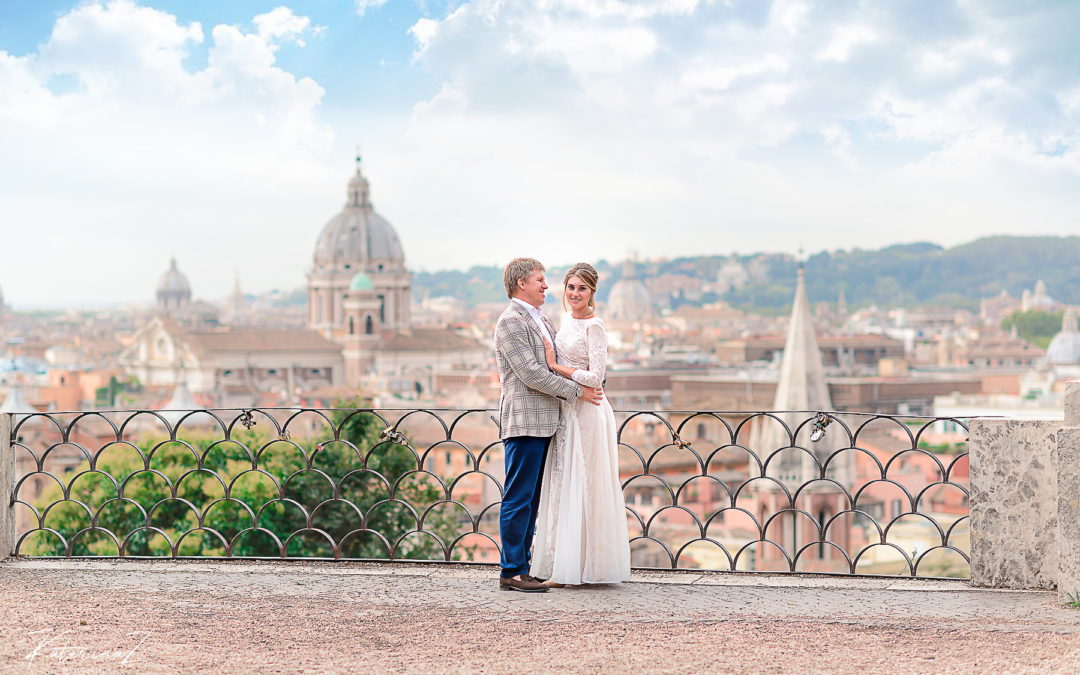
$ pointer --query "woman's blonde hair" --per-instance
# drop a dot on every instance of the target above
(585, 272)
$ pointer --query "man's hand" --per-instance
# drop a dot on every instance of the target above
(593, 395)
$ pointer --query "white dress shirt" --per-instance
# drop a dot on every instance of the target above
(538, 318)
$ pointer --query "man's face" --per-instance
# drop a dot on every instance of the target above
(532, 289)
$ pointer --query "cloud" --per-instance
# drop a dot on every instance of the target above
(281, 23)
(742, 124)
(423, 31)
(846, 39)
(108, 124)
(362, 6)
(712, 76)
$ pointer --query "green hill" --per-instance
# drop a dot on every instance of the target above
(901, 275)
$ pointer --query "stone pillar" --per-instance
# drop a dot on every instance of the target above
(1068, 489)
(8, 533)
(1014, 503)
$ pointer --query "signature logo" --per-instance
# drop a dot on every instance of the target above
(61, 648)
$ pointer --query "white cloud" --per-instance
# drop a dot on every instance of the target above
(845, 41)
(281, 23)
(633, 9)
(589, 50)
(719, 77)
(423, 31)
(151, 156)
(790, 14)
(362, 6)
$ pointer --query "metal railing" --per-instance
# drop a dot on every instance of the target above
(806, 491)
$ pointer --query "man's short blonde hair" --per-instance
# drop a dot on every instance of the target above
(517, 270)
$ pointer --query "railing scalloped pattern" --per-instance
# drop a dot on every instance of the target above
(711, 502)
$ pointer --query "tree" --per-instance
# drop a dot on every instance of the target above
(1034, 325)
(333, 486)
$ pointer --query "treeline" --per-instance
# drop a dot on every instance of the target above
(895, 276)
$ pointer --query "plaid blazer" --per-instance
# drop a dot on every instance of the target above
(530, 392)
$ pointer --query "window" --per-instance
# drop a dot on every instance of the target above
(272, 371)
(369, 325)
(700, 431)
(717, 491)
(896, 508)
(352, 326)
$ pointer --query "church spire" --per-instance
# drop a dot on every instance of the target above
(801, 387)
(802, 374)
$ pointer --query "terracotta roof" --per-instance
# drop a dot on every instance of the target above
(260, 341)
(427, 339)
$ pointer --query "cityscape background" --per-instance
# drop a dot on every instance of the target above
(793, 206)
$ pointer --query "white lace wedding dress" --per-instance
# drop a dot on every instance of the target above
(581, 534)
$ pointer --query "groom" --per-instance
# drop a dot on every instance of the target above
(528, 414)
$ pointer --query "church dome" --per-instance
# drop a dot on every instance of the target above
(1064, 349)
(629, 299)
(358, 235)
(361, 282)
(174, 282)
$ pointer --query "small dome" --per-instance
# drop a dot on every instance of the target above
(358, 234)
(361, 282)
(173, 281)
(1064, 349)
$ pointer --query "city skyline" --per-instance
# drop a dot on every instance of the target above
(224, 135)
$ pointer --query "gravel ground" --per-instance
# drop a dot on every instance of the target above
(169, 616)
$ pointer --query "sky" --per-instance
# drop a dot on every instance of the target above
(223, 133)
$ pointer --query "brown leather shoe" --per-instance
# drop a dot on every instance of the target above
(523, 584)
(532, 578)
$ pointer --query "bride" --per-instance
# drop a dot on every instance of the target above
(581, 533)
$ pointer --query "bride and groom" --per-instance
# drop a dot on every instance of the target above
(559, 439)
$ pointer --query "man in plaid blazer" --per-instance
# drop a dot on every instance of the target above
(529, 407)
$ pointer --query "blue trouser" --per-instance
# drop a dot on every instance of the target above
(524, 458)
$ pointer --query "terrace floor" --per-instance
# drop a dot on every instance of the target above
(245, 616)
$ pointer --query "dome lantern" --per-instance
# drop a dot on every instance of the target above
(358, 236)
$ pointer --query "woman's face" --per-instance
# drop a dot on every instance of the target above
(577, 295)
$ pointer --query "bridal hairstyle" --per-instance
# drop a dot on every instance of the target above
(586, 273)
(517, 270)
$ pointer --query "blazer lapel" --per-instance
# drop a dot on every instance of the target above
(529, 320)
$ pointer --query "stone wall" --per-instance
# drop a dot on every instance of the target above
(1068, 511)
(7, 487)
(1025, 501)
(1013, 503)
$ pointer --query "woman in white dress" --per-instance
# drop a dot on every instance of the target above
(581, 532)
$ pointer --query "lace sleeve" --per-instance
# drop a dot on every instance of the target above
(596, 338)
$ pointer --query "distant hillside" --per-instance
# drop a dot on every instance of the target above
(902, 275)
